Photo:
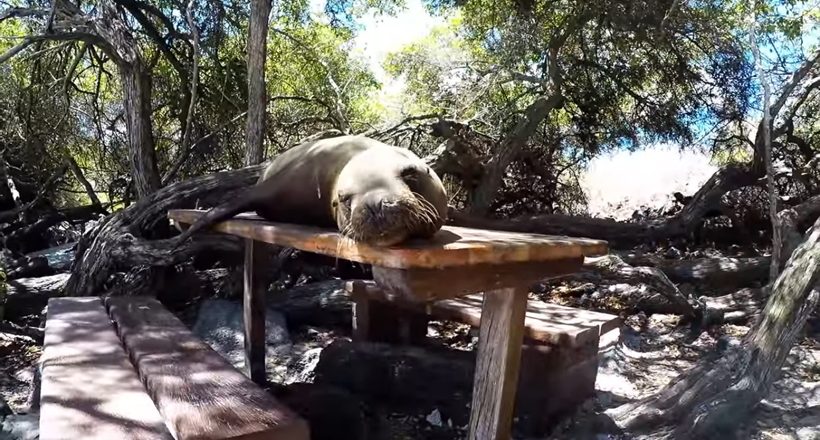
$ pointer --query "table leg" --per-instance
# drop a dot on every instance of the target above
(254, 312)
(498, 357)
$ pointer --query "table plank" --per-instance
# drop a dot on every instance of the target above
(451, 246)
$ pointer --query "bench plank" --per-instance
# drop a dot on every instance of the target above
(451, 246)
(546, 322)
(198, 392)
(89, 388)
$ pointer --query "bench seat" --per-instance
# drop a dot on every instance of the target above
(89, 388)
(559, 360)
(199, 393)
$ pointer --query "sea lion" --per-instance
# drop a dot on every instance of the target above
(371, 192)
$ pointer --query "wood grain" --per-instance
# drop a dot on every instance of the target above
(89, 388)
(451, 246)
(200, 395)
(253, 310)
(498, 357)
(429, 284)
(544, 322)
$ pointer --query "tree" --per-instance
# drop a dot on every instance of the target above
(570, 80)
(257, 48)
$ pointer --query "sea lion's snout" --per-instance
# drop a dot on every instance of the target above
(380, 218)
(387, 218)
(385, 196)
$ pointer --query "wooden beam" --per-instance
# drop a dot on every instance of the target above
(89, 387)
(199, 393)
(431, 284)
(254, 309)
(498, 357)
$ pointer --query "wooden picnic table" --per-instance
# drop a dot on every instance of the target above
(455, 262)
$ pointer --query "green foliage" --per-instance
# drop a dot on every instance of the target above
(631, 73)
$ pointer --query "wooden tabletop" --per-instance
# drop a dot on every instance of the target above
(451, 246)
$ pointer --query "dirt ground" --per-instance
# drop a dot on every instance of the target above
(635, 361)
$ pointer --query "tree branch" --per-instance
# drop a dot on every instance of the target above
(767, 153)
(16, 49)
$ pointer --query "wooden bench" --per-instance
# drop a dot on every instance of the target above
(559, 361)
(155, 381)
(198, 392)
(455, 262)
(89, 388)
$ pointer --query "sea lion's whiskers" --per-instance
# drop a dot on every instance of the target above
(426, 212)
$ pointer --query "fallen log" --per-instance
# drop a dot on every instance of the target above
(123, 239)
(617, 234)
(27, 296)
(17, 240)
(28, 267)
(321, 303)
(739, 272)
(738, 307)
(612, 267)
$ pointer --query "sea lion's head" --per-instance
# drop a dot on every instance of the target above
(385, 196)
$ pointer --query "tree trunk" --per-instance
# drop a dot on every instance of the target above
(136, 85)
(504, 154)
(777, 245)
(118, 241)
(712, 398)
(257, 48)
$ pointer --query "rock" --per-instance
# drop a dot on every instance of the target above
(808, 433)
(404, 379)
(219, 324)
(20, 427)
(673, 253)
(5, 410)
(331, 412)
(294, 363)
(323, 303)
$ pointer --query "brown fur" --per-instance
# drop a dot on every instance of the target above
(370, 191)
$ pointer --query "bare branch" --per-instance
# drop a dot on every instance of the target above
(78, 173)
(767, 151)
(786, 93)
(22, 12)
(337, 111)
(73, 67)
(15, 50)
(377, 133)
(187, 152)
